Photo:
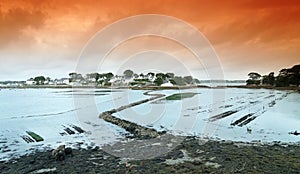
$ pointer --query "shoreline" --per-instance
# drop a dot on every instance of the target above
(103, 87)
(189, 156)
(295, 88)
(266, 87)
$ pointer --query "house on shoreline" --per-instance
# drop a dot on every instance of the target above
(12, 83)
(109, 79)
(30, 82)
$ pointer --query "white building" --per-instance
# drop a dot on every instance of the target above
(167, 84)
(62, 81)
(30, 82)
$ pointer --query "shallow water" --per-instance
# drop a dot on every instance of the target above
(48, 112)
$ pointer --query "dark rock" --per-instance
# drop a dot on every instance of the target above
(68, 151)
(227, 159)
(196, 162)
(61, 156)
(32, 161)
(59, 153)
(96, 148)
(243, 159)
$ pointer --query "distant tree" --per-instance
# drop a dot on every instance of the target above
(268, 79)
(104, 78)
(295, 69)
(271, 78)
(97, 77)
(39, 80)
(107, 84)
(281, 81)
(80, 77)
(93, 76)
(170, 75)
(283, 72)
(151, 74)
(101, 82)
(179, 81)
(72, 74)
(128, 73)
(294, 75)
(108, 76)
(196, 81)
(288, 76)
(294, 79)
(135, 75)
(188, 79)
(101, 76)
(141, 80)
(48, 78)
(161, 75)
(172, 81)
(254, 78)
(75, 76)
(158, 81)
(265, 80)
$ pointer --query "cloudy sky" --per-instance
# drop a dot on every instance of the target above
(47, 37)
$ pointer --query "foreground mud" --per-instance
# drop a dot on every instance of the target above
(190, 156)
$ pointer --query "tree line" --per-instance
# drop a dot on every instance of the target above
(104, 79)
(286, 77)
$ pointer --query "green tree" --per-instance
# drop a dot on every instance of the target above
(172, 81)
(281, 81)
(108, 76)
(75, 76)
(161, 75)
(288, 76)
(294, 75)
(294, 79)
(179, 81)
(95, 76)
(170, 75)
(39, 80)
(196, 81)
(72, 74)
(268, 79)
(151, 74)
(135, 75)
(128, 73)
(188, 79)
(158, 81)
(271, 78)
(254, 78)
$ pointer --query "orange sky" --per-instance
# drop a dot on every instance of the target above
(46, 37)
